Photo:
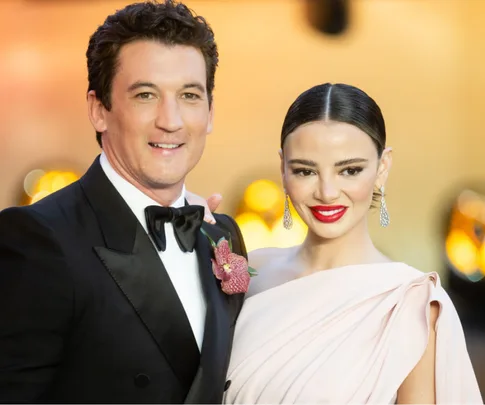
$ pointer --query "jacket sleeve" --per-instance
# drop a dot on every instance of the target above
(36, 305)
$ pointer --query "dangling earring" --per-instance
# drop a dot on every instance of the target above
(287, 219)
(384, 214)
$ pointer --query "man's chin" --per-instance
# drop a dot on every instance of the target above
(165, 183)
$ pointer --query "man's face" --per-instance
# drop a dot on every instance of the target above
(156, 130)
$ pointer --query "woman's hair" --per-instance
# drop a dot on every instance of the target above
(338, 103)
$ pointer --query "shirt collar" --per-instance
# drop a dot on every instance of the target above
(136, 199)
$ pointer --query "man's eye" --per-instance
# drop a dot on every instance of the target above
(145, 96)
(191, 96)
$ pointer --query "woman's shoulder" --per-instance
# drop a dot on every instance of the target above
(271, 265)
(431, 279)
(264, 257)
(410, 272)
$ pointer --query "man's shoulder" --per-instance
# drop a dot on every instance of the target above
(225, 220)
(228, 224)
(51, 210)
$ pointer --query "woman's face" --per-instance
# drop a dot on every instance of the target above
(330, 171)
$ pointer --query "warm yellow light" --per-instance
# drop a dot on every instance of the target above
(31, 181)
(39, 196)
(481, 259)
(283, 238)
(471, 204)
(263, 195)
(255, 232)
(462, 252)
(48, 183)
(62, 180)
(45, 182)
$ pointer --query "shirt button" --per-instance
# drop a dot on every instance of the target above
(227, 385)
(142, 380)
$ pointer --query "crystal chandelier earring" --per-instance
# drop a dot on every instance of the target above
(384, 214)
(287, 219)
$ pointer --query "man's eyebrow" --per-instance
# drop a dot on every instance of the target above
(139, 84)
(194, 85)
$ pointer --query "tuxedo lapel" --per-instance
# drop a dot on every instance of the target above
(146, 285)
(216, 344)
(135, 266)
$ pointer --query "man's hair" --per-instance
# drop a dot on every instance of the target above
(167, 22)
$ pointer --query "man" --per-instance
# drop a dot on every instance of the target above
(105, 296)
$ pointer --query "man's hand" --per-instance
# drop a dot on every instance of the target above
(210, 205)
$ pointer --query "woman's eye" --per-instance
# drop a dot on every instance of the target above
(302, 172)
(352, 171)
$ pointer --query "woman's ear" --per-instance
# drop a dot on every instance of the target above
(282, 168)
(384, 167)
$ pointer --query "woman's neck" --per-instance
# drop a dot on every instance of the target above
(355, 247)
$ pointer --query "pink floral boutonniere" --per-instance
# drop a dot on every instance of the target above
(232, 269)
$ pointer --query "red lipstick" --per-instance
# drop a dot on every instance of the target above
(328, 214)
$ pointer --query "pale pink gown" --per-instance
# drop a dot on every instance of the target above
(347, 335)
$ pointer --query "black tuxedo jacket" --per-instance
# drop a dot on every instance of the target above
(88, 313)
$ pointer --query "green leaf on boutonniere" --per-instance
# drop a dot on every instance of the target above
(252, 271)
(208, 237)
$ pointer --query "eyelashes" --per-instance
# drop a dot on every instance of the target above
(351, 171)
(302, 172)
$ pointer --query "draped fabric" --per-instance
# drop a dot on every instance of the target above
(347, 335)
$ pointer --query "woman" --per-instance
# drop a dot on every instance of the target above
(334, 320)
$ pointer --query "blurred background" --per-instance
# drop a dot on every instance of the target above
(421, 60)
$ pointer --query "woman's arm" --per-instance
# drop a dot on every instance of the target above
(419, 385)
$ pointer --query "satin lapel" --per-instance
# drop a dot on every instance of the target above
(135, 266)
(216, 345)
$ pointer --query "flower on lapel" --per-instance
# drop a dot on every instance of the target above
(232, 269)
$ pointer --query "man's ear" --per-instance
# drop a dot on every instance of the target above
(210, 124)
(96, 112)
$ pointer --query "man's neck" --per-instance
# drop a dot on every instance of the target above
(165, 196)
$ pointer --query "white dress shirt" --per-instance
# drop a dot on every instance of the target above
(182, 267)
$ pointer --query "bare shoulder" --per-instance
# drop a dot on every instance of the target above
(272, 265)
(260, 257)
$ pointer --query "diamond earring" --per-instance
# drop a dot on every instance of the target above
(287, 219)
(384, 214)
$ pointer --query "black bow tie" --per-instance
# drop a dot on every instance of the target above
(186, 223)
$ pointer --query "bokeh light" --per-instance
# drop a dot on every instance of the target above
(263, 195)
(261, 217)
(462, 252)
(481, 259)
(255, 231)
(31, 180)
(39, 184)
(282, 237)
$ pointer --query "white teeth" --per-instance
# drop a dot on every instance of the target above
(330, 213)
(165, 145)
